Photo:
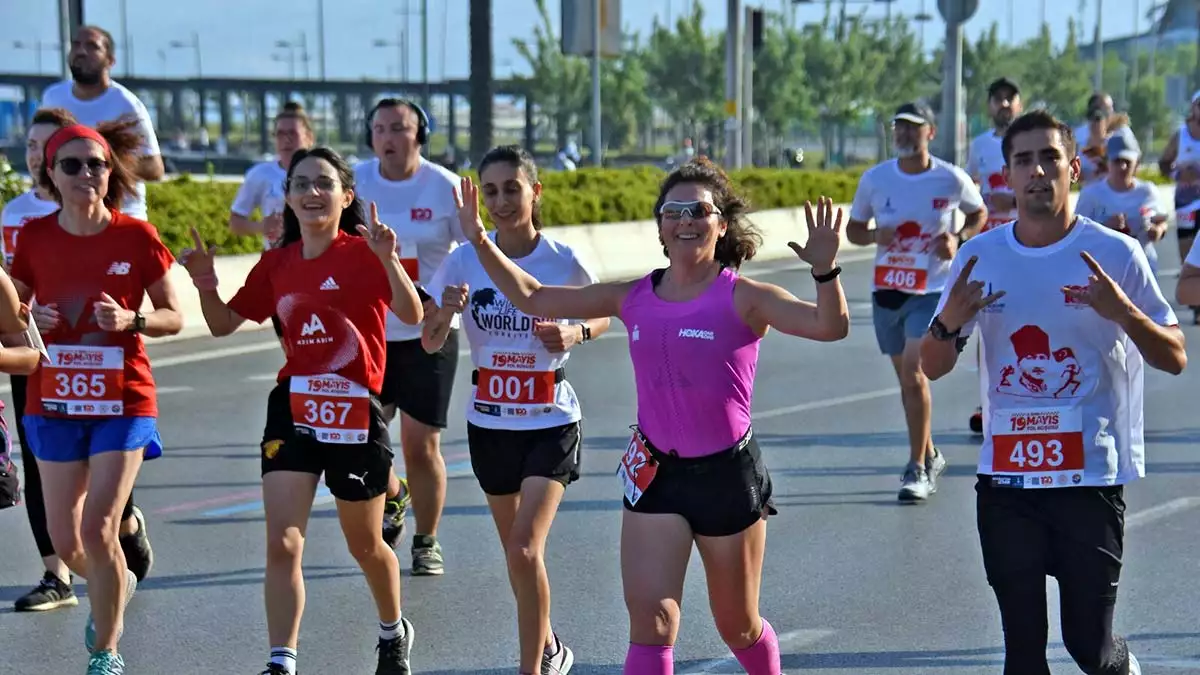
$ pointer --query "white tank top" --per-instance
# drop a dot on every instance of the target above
(1189, 148)
(1187, 195)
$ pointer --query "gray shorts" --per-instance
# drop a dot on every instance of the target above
(895, 327)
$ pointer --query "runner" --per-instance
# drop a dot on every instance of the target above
(693, 471)
(413, 197)
(1123, 201)
(55, 590)
(330, 288)
(1180, 159)
(1093, 136)
(912, 200)
(523, 426)
(92, 98)
(1064, 345)
(985, 165)
(91, 410)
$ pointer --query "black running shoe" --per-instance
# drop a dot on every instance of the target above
(976, 422)
(427, 556)
(275, 669)
(139, 557)
(394, 512)
(52, 593)
(394, 653)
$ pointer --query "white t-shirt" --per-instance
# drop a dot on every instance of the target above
(262, 189)
(516, 387)
(114, 103)
(422, 212)
(985, 165)
(1061, 386)
(919, 207)
(1187, 195)
(24, 208)
(1099, 201)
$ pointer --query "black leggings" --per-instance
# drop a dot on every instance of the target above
(35, 505)
(1073, 534)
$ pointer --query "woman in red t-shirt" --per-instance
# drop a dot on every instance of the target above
(91, 411)
(331, 282)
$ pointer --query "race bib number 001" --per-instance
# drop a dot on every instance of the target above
(1038, 448)
(637, 469)
(84, 381)
(406, 249)
(331, 409)
(902, 272)
(515, 382)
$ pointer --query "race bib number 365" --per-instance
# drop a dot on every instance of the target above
(331, 409)
(84, 381)
(1038, 448)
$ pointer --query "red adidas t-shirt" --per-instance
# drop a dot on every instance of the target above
(89, 366)
(333, 308)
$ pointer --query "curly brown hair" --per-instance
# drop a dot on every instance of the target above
(59, 117)
(742, 239)
(125, 143)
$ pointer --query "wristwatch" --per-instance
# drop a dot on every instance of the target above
(587, 333)
(139, 322)
(828, 276)
(939, 331)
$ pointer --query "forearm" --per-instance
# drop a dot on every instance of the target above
(242, 226)
(405, 303)
(1187, 292)
(1162, 347)
(598, 327)
(19, 360)
(833, 316)
(859, 234)
(974, 223)
(162, 322)
(150, 168)
(938, 357)
(10, 307)
(217, 314)
(436, 329)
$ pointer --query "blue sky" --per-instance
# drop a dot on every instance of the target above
(237, 37)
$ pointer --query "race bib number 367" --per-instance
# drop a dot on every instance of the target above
(1038, 448)
(84, 381)
(331, 409)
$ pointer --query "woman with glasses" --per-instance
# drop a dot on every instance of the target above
(331, 281)
(693, 473)
(91, 409)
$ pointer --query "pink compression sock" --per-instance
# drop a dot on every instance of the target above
(762, 657)
(650, 660)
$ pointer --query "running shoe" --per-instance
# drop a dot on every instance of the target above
(52, 593)
(1135, 668)
(89, 631)
(935, 466)
(106, 663)
(427, 556)
(139, 557)
(560, 662)
(275, 669)
(976, 422)
(914, 486)
(394, 653)
(394, 513)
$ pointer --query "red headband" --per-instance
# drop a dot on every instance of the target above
(70, 133)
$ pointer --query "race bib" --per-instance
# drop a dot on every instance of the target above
(331, 409)
(11, 232)
(84, 381)
(637, 469)
(515, 381)
(1040, 448)
(407, 250)
(902, 271)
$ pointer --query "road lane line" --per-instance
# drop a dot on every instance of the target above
(788, 642)
(827, 403)
(173, 390)
(1164, 510)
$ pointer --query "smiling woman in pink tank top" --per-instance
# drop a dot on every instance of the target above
(693, 472)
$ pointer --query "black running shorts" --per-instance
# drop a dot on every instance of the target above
(719, 495)
(353, 472)
(503, 458)
(418, 383)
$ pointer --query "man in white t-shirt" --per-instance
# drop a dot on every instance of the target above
(913, 200)
(1068, 314)
(92, 97)
(415, 198)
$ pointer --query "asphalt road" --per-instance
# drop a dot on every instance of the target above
(854, 583)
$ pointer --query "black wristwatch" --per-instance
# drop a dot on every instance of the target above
(828, 276)
(139, 322)
(587, 333)
(939, 331)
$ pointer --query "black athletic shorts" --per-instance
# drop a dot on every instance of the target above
(719, 495)
(419, 383)
(1185, 234)
(1073, 531)
(503, 458)
(353, 472)
(275, 323)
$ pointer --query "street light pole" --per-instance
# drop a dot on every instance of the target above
(597, 136)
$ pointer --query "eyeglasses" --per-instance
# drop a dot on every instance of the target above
(692, 210)
(304, 185)
(73, 165)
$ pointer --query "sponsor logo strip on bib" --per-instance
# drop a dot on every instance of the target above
(331, 409)
(637, 469)
(1040, 448)
(84, 381)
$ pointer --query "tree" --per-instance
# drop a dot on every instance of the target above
(558, 84)
(782, 91)
(685, 68)
(625, 105)
(1148, 106)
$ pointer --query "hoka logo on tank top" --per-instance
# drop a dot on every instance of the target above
(493, 313)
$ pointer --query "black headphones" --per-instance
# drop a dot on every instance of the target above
(422, 118)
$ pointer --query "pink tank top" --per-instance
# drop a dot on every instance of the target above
(694, 365)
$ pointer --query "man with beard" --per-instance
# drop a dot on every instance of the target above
(913, 200)
(1065, 435)
(92, 97)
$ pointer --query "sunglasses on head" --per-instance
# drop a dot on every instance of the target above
(73, 165)
(693, 210)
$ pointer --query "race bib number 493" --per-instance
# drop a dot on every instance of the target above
(1038, 448)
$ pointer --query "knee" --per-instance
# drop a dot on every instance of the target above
(98, 531)
(1091, 650)
(64, 539)
(365, 547)
(653, 623)
(912, 378)
(523, 558)
(285, 548)
(736, 628)
(421, 446)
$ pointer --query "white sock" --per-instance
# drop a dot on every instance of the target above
(391, 631)
(286, 657)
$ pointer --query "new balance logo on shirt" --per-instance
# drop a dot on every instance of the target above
(119, 269)
(329, 285)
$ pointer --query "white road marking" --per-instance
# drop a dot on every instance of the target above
(262, 377)
(788, 642)
(1164, 510)
(212, 354)
(173, 390)
(827, 403)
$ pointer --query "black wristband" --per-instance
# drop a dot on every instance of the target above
(587, 333)
(139, 322)
(828, 276)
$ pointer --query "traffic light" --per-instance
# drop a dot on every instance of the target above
(756, 29)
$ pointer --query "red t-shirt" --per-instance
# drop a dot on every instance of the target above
(332, 308)
(123, 260)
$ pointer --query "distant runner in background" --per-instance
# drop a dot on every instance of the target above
(1181, 160)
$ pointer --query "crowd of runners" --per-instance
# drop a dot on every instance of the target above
(370, 273)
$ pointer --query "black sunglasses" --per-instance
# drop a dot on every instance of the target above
(73, 165)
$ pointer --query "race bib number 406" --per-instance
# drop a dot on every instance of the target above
(331, 409)
(1038, 448)
(902, 271)
(84, 381)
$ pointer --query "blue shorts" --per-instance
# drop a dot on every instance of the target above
(895, 327)
(54, 439)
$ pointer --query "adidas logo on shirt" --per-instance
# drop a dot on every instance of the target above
(329, 285)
